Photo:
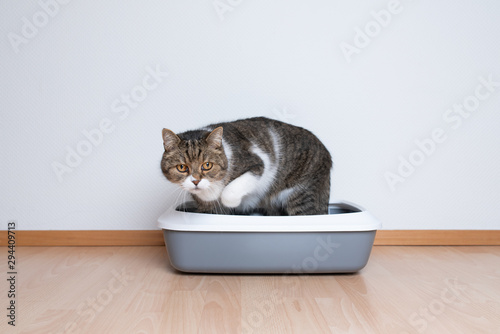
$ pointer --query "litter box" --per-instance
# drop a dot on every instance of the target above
(339, 242)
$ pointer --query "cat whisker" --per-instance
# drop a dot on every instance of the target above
(181, 198)
(178, 193)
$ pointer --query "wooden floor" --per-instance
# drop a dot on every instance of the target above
(134, 290)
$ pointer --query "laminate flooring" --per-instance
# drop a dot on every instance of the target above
(135, 290)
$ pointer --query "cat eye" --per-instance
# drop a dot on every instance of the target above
(182, 168)
(207, 166)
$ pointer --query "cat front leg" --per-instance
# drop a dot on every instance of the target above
(234, 192)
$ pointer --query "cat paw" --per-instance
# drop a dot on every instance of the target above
(230, 199)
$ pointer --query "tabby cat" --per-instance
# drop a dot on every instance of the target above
(250, 164)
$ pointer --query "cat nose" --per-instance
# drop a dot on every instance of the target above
(196, 182)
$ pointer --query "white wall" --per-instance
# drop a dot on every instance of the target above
(68, 68)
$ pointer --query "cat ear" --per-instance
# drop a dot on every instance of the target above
(214, 139)
(170, 139)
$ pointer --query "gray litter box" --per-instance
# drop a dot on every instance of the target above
(339, 242)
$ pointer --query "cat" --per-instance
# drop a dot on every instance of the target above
(250, 164)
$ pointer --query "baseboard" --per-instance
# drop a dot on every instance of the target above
(155, 238)
(87, 238)
(437, 238)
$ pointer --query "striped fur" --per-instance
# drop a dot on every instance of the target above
(257, 164)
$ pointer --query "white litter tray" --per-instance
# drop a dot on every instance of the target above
(339, 242)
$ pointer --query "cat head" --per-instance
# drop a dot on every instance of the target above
(195, 160)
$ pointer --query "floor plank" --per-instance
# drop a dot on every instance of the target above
(403, 289)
